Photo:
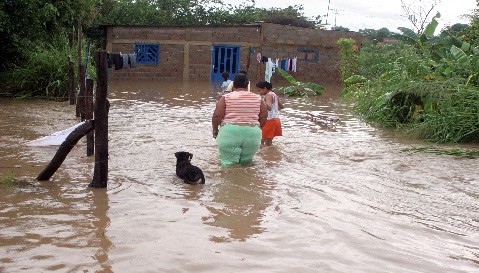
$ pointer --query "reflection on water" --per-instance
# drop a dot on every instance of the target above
(341, 198)
(101, 222)
(239, 203)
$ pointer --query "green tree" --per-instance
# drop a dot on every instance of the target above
(23, 23)
(340, 28)
(471, 34)
(376, 36)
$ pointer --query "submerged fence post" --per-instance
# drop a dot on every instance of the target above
(81, 100)
(71, 73)
(79, 55)
(100, 173)
(90, 149)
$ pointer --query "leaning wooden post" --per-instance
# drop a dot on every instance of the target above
(100, 173)
(90, 149)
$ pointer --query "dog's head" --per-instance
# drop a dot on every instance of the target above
(182, 156)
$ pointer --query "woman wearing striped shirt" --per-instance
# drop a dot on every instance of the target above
(237, 122)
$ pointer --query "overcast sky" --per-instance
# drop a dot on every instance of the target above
(374, 14)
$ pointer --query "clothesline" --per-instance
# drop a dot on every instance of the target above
(287, 64)
(121, 60)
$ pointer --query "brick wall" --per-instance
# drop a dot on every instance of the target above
(185, 52)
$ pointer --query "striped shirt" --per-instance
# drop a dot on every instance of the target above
(242, 107)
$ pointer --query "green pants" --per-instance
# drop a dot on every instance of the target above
(237, 144)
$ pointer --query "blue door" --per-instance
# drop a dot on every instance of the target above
(224, 58)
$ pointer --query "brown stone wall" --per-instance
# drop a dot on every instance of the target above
(185, 52)
(200, 62)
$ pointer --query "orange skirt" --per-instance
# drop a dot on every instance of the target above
(272, 128)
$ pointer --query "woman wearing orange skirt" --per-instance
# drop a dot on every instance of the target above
(272, 128)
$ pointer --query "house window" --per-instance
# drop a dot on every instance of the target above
(308, 55)
(147, 53)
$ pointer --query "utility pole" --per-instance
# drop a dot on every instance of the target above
(336, 12)
(327, 13)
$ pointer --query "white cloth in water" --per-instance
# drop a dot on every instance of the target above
(54, 139)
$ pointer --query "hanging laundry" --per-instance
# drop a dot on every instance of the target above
(283, 65)
(132, 60)
(110, 60)
(117, 61)
(294, 63)
(258, 57)
(125, 60)
(264, 59)
(268, 71)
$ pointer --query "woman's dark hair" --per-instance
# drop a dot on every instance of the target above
(264, 84)
(240, 81)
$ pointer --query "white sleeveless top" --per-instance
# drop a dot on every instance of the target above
(274, 112)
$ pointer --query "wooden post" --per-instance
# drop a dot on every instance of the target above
(90, 149)
(100, 174)
(81, 103)
(71, 82)
(64, 149)
(71, 73)
(79, 51)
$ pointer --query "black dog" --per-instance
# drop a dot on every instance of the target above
(184, 170)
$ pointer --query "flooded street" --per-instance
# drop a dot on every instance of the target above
(345, 198)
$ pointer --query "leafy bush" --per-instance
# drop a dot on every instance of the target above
(398, 89)
(428, 86)
(349, 58)
(451, 115)
(43, 74)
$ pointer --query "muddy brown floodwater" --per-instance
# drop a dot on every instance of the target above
(323, 199)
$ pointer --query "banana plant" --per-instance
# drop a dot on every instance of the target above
(297, 88)
(469, 62)
(410, 37)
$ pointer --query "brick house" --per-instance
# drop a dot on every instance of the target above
(204, 52)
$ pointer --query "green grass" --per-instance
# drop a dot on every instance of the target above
(8, 179)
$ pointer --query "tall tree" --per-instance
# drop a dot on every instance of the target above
(471, 34)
